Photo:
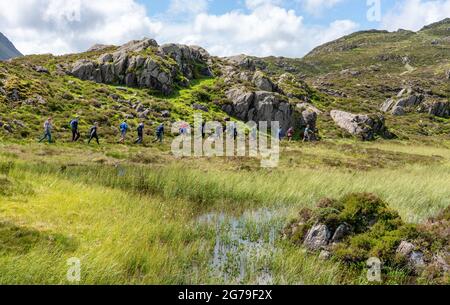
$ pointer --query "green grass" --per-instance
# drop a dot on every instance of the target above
(133, 222)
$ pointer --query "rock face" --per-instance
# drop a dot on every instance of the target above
(438, 108)
(259, 106)
(405, 101)
(364, 126)
(161, 70)
(242, 61)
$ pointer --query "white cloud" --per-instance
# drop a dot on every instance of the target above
(43, 26)
(266, 30)
(414, 14)
(188, 6)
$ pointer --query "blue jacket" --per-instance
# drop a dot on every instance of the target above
(123, 126)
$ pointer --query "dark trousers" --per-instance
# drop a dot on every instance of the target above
(93, 136)
(75, 135)
(140, 139)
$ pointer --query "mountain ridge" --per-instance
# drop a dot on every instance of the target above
(7, 48)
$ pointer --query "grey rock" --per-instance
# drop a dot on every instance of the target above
(83, 69)
(414, 257)
(387, 105)
(14, 95)
(145, 71)
(104, 58)
(341, 232)
(138, 45)
(447, 74)
(260, 106)
(242, 61)
(317, 237)
(262, 82)
(309, 117)
(437, 108)
(41, 69)
(398, 111)
(165, 114)
(98, 47)
(364, 126)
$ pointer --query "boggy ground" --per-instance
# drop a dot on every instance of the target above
(138, 215)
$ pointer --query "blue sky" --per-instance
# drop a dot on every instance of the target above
(224, 27)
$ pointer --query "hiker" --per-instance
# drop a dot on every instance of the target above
(74, 127)
(280, 134)
(123, 131)
(93, 133)
(203, 130)
(47, 131)
(140, 133)
(307, 134)
(290, 133)
(159, 133)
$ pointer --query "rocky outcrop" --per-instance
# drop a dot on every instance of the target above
(367, 127)
(259, 106)
(242, 61)
(405, 101)
(436, 108)
(360, 226)
(160, 68)
(262, 82)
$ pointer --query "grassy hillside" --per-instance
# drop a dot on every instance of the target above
(137, 215)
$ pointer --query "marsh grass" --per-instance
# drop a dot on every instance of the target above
(139, 222)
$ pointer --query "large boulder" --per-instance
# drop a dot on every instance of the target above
(260, 106)
(309, 117)
(364, 126)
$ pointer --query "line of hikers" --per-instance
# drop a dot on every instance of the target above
(93, 132)
(308, 135)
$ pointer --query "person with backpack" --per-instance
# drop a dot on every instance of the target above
(290, 133)
(74, 127)
(140, 133)
(159, 133)
(307, 134)
(123, 131)
(47, 131)
(93, 133)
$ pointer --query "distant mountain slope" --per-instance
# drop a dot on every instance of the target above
(7, 49)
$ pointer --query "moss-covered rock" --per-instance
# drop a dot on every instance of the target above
(362, 226)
